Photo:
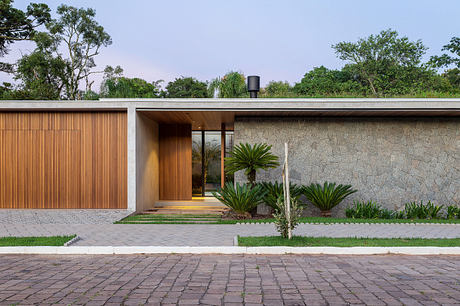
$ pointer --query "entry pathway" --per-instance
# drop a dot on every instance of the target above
(217, 235)
(238, 279)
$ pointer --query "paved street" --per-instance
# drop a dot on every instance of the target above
(235, 279)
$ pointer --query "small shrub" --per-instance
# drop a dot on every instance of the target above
(281, 220)
(367, 210)
(414, 210)
(453, 212)
(240, 198)
(327, 196)
(274, 191)
(370, 210)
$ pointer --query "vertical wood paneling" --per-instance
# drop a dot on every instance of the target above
(63, 160)
(175, 162)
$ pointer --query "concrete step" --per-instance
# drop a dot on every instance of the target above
(183, 212)
(207, 202)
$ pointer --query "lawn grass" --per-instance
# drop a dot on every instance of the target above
(216, 219)
(299, 241)
(35, 241)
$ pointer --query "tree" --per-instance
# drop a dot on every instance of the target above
(43, 75)
(278, 89)
(231, 85)
(83, 38)
(446, 60)
(186, 88)
(381, 60)
(17, 25)
(115, 85)
(250, 159)
(322, 81)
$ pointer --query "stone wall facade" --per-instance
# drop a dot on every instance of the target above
(389, 160)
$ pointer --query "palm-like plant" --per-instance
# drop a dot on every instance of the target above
(275, 193)
(231, 85)
(327, 196)
(250, 159)
(240, 198)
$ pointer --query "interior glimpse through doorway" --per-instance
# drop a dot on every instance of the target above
(207, 161)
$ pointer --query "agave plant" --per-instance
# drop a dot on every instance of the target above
(327, 196)
(250, 159)
(275, 192)
(241, 198)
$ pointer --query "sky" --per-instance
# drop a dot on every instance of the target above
(278, 40)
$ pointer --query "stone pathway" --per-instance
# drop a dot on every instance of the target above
(229, 280)
(216, 235)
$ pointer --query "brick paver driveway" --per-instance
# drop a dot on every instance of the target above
(216, 280)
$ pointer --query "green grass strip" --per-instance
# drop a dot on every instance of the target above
(300, 241)
(157, 219)
(35, 241)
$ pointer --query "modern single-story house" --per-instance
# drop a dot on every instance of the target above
(132, 153)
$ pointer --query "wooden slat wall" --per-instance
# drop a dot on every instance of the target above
(175, 161)
(63, 160)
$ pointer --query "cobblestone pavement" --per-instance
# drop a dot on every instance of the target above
(229, 280)
(216, 235)
(62, 216)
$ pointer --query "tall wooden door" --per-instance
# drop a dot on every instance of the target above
(63, 160)
(175, 161)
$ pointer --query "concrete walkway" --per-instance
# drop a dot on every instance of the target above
(216, 235)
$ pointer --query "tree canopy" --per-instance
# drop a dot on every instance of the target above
(17, 25)
(115, 85)
(384, 59)
(186, 87)
(231, 85)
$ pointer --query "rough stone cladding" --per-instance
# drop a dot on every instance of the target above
(389, 160)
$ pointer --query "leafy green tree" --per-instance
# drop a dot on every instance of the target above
(231, 85)
(17, 25)
(449, 60)
(115, 85)
(322, 81)
(82, 37)
(43, 75)
(250, 159)
(186, 88)
(278, 89)
(383, 60)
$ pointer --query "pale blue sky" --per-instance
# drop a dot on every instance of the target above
(278, 40)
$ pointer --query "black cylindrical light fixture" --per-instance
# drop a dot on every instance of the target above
(253, 85)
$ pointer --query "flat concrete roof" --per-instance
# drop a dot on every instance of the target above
(306, 104)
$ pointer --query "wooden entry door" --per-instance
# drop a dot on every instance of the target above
(175, 161)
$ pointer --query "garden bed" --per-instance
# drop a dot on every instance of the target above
(300, 241)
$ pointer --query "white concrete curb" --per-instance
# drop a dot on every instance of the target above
(105, 250)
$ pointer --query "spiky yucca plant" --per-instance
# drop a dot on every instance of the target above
(240, 198)
(250, 159)
(327, 196)
(275, 192)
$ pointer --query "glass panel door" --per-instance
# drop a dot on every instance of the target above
(212, 162)
(206, 161)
